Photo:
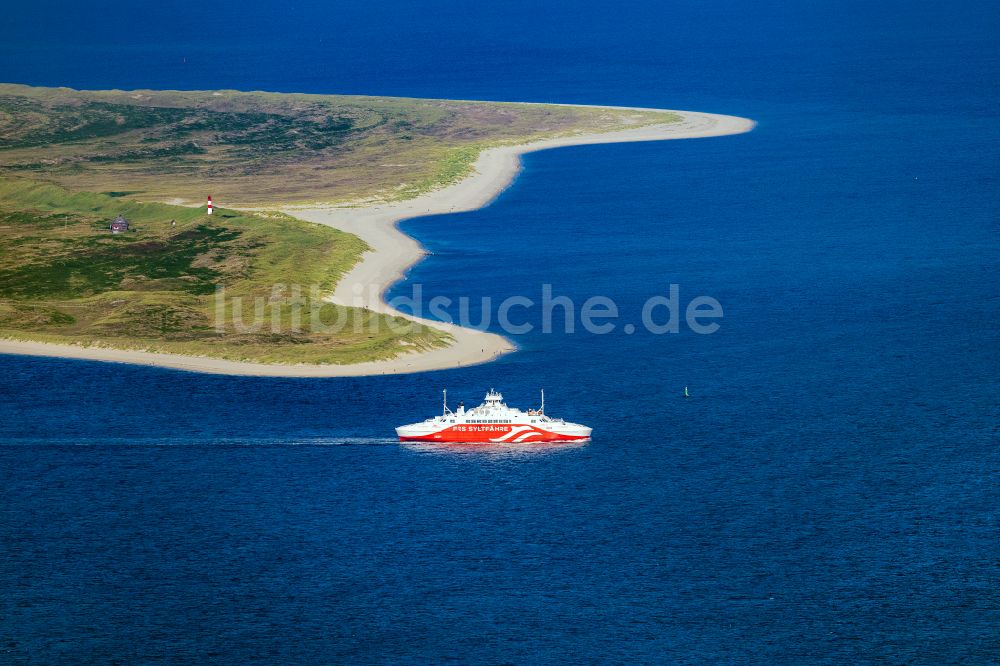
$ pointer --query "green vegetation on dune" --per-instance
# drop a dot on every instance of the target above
(266, 148)
(65, 278)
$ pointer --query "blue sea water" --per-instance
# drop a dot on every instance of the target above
(828, 493)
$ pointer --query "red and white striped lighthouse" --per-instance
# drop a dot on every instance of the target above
(209, 204)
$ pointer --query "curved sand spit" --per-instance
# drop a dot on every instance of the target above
(394, 252)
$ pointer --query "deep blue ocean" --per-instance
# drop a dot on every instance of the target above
(827, 495)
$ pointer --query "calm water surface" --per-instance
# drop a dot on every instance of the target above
(827, 494)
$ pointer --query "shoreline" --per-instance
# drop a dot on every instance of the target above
(393, 253)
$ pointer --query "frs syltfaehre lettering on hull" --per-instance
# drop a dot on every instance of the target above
(493, 422)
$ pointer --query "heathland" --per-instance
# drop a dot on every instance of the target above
(266, 148)
(72, 160)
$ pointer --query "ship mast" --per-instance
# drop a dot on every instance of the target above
(543, 401)
(444, 402)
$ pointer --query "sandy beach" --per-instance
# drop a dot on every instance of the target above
(394, 252)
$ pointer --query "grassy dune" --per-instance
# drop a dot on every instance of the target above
(266, 148)
(71, 160)
(65, 278)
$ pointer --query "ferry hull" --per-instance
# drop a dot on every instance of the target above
(493, 434)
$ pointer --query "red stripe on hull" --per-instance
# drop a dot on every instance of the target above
(494, 434)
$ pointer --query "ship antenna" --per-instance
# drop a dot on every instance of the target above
(543, 401)
(444, 402)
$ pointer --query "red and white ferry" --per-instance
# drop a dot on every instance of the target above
(493, 422)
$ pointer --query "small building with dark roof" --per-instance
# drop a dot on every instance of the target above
(119, 225)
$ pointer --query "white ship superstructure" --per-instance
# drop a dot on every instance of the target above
(493, 421)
